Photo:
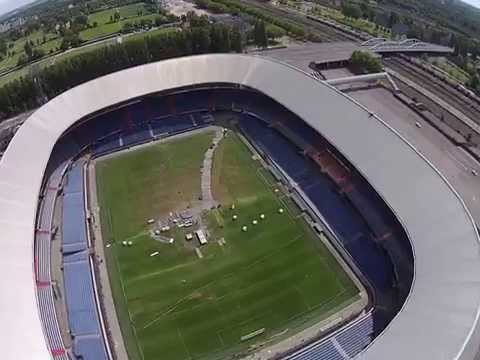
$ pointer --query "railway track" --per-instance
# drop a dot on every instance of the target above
(323, 31)
(447, 93)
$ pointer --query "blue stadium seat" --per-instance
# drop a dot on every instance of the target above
(356, 338)
(379, 222)
(107, 124)
(81, 308)
(158, 108)
(73, 223)
(74, 183)
(350, 340)
(89, 348)
(107, 146)
(138, 113)
(137, 135)
(223, 99)
(75, 257)
(79, 296)
(192, 101)
(326, 351)
(172, 125)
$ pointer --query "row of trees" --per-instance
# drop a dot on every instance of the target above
(28, 92)
(355, 11)
(146, 24)
(31, 53)
(235, 7)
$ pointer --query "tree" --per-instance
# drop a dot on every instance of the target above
(260, 34)
(116, 16)
(393, 19)
(38, 53)
(81, 21)
(22, 60)
(236, 41)
(145, 23)
(365, 63)
(197, 21)
(28, 49)
(160, 20)
(474, 83)
(364, 8)
(274, 31)
(3, 46)
(127, 27)
(70, 39)
(351, 10)
(200, 38)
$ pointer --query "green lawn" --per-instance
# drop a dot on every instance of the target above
(53, 41)
(74, 52)
(128, 13)
(357, 24)
(276, 276)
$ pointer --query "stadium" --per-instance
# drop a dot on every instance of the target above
(395, 247)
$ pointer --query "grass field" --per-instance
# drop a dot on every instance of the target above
(74, 52)
(128, 13)
(53, 41)
(276, 276)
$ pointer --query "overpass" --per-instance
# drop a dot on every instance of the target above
(408, 46)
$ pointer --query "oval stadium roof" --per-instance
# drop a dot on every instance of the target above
(439, 320)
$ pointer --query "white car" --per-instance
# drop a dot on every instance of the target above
(474, 172)
(418, 125)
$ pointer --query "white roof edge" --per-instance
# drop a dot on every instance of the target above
(440, 317)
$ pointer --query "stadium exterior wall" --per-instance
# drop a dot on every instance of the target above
(439, 320)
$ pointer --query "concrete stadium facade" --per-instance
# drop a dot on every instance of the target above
(439, 319)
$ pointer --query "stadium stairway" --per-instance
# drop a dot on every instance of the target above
(43, 239)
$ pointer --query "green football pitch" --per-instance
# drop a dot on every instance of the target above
(275, 279)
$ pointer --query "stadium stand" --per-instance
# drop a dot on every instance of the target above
(344, 344)
(158, 107)
(89, 347)
(172, 125)
(106, 146)
(364, 226)
(186, 102)
(73, 216)
(43, 238)
(346, 221)
(136, 135)
(83, 320)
